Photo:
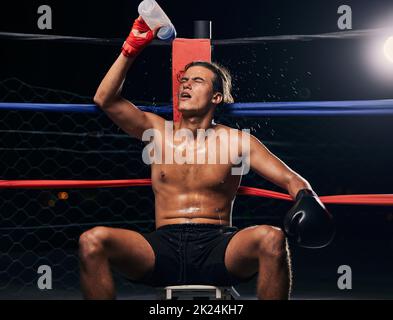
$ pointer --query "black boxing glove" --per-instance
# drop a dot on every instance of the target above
(308, 223)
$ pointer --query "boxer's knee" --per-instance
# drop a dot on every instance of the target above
(92, 243)
(271, 242)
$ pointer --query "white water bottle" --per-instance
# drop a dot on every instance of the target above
(154, 16)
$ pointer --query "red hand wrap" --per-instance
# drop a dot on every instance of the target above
(134, 44)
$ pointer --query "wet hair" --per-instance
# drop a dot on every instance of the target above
(222, 81)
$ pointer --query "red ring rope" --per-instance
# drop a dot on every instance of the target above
(360, 199)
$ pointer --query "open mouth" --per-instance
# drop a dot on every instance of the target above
(185, 96)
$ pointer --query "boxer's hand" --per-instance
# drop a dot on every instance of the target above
(309, 223)
(140, 36)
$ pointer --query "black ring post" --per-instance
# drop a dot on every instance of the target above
(202, 29)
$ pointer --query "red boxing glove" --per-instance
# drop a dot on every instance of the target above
(140, 36)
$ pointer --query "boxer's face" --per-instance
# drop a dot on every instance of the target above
(196, 91)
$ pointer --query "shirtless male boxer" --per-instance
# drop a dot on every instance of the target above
(194, 242)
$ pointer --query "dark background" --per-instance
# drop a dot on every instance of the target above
(338, 155)
(317, 70)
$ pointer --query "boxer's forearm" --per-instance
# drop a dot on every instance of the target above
(108, 93)
(110, 87)
(296, 183)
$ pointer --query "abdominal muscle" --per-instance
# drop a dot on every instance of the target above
(192, 207)
(195, 193)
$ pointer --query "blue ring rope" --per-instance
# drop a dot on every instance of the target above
(252, 109)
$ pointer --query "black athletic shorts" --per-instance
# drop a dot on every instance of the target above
(190, 254)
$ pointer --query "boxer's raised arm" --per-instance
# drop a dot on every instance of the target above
(108, 96)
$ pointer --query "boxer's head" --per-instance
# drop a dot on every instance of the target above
(203, 85)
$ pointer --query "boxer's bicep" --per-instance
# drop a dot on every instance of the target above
(269, 166)
(130, 118)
